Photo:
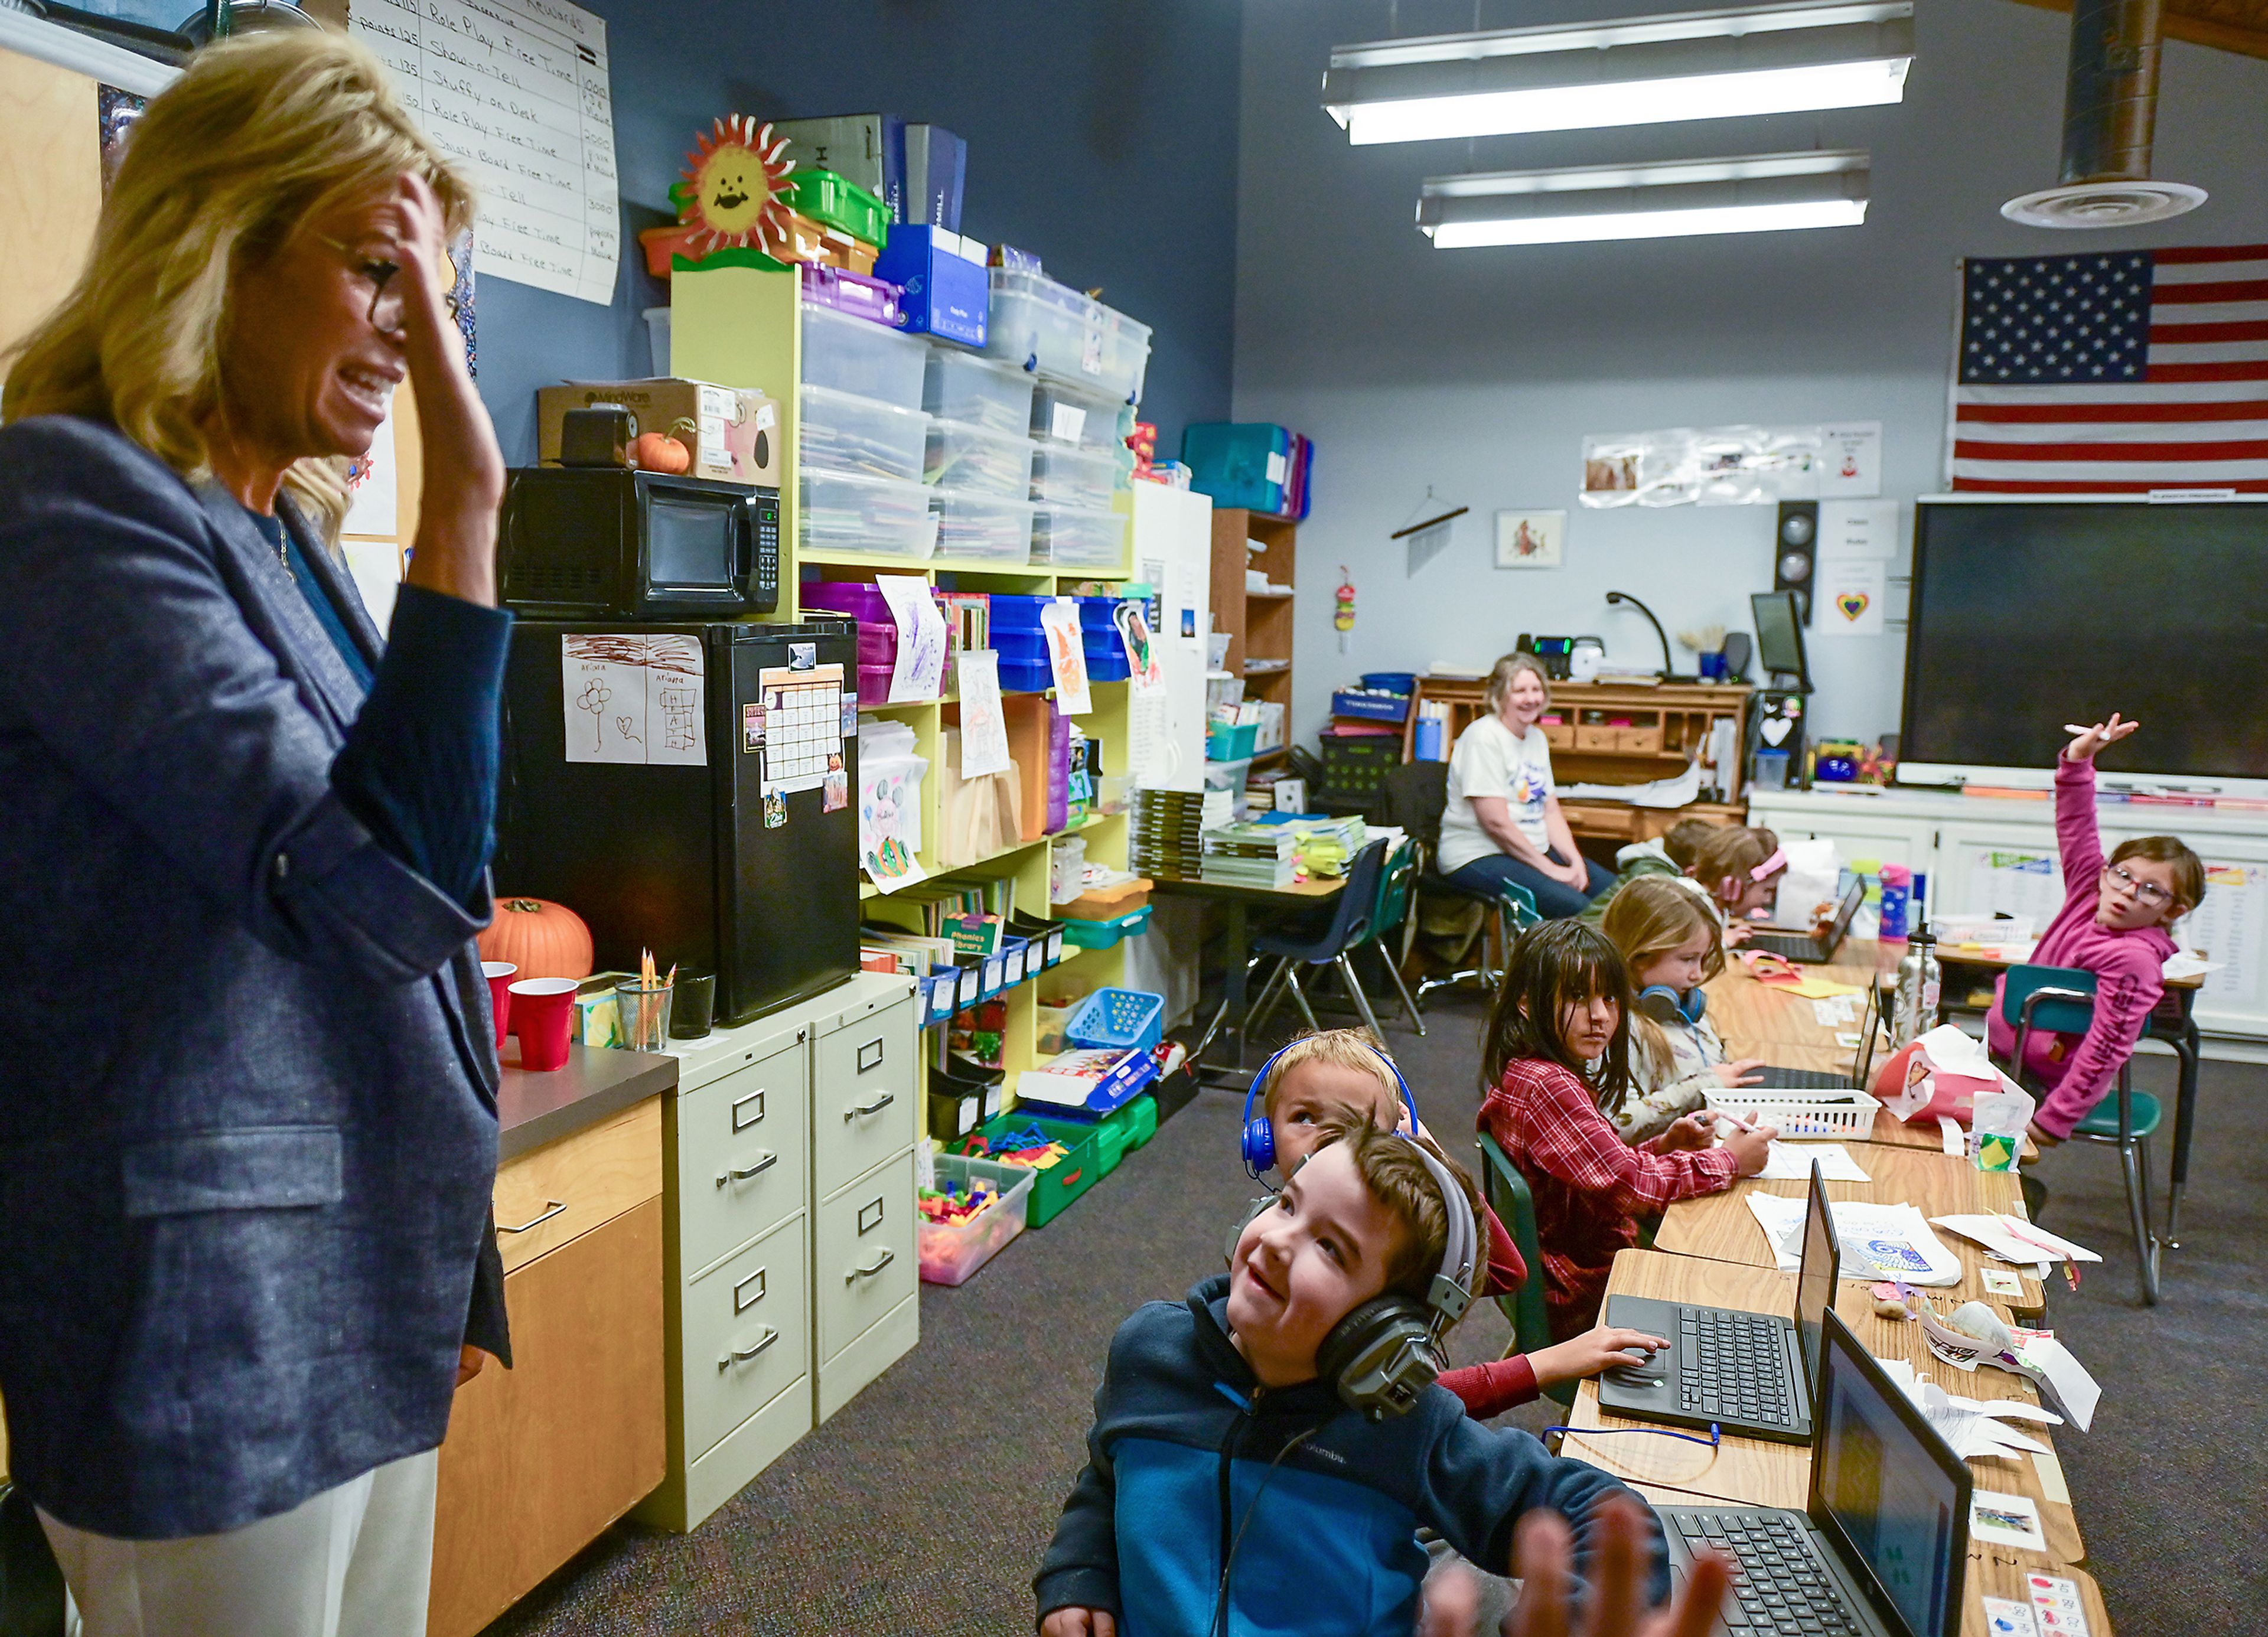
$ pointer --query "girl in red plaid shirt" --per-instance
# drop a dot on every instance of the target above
(1556, 1065)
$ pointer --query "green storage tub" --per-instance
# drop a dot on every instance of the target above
(836, 202)
(1069, 1176)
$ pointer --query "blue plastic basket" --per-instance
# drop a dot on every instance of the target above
(1131, 1017)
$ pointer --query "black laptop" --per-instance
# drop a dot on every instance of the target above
(1881, 1549)
(1748, 1373)
(1770, 1078)
(1814, 946)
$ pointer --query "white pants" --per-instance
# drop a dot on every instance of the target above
(353, 1561)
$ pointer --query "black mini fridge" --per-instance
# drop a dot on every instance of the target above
(689, 789)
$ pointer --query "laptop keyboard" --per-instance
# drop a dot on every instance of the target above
(1803, 1080)
(1782, 1586)
(1732, 1364)
(1787, 945)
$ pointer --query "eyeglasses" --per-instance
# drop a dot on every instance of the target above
(2148, 892)
(384, 295)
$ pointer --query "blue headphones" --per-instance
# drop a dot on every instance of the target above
(1665, 1005)
(1259, 1139)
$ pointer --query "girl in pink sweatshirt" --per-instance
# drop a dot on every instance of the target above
(2112, 923)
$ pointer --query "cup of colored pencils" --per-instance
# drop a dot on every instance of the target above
(644, 1006)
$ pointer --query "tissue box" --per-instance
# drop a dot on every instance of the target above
(946, 290)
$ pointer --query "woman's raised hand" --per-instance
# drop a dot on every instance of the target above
(2091, 740)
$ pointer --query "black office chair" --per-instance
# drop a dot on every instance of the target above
(1324, 941)
(1416, 793)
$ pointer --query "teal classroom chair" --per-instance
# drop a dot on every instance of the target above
(1506, 1191)
(2061, 999)
(1390, 921)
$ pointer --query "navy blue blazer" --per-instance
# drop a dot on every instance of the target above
(248, 1075)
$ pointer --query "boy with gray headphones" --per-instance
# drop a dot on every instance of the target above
(1264, 1453)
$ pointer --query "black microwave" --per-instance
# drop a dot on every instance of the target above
(583, 542)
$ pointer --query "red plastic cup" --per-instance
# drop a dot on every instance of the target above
(544, 1018)
(498, 973)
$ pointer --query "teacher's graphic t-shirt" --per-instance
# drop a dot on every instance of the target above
(1490, 761)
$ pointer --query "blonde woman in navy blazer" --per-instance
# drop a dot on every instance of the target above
(248, 1135)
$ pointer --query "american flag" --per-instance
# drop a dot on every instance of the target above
(2114, 373)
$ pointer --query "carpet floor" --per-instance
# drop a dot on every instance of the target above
(924, 1505)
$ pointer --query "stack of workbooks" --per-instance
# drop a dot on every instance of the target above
(924, 928)
(1252, 855)
(1167, 834)
(1324, 846)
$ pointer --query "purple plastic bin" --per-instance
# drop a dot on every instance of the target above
(857, 294)
(874, 682)
(1058, 768)
(855, 598)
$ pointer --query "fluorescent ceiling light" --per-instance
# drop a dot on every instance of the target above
(1694, 65)
(1762, 194)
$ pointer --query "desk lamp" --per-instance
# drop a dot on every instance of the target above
(1668, 670)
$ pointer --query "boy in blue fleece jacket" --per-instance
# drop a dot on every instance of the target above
(1229, 1491)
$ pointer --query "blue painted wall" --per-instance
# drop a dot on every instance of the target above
(1101, 135)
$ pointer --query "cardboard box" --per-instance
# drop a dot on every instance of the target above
(868, 148)
(738, 439)
(946, 290)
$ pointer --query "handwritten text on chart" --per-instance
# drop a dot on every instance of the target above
(517, 93)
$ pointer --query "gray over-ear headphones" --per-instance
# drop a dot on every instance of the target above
(1384, 1354)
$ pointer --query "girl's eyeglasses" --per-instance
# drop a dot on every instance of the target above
(2151, 895)
(385, 295)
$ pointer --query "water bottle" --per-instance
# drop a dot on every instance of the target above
(1913, 1009)
(1897, 886)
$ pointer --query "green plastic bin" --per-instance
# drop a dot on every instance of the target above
(1069, 1176)
(836, 202)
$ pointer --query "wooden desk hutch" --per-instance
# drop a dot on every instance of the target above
(1619, 733)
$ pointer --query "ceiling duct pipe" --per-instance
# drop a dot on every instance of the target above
(2110, 118)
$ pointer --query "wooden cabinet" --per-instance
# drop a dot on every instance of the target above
(541, 1458)
(1258, 624)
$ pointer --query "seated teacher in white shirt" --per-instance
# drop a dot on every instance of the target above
(1503, 822)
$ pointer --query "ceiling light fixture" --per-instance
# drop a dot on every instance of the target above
(1762, 194)
(1691, 65)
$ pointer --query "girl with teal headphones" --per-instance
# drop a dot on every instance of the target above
(1670, 941)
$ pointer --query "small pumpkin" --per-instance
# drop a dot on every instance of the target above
(665, 451)
(541, 938)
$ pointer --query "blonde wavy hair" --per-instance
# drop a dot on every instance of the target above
(256, 137)
(1646, 918)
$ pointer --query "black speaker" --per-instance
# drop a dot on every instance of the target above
(1738, 646)
(1795, 552)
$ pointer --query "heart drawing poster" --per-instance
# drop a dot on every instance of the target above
(1851, 597)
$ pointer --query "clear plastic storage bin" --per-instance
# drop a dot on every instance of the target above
(949, 1254)
(887, 516)
(1062, 414)
(1077, 537)
(968, 459)
(983, 526)
(847, 355)
(961, 386)
(1051, 329)
(1065, 476)
(844, 432)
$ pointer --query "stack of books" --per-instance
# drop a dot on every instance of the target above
(1168, 829)
(1252, 855)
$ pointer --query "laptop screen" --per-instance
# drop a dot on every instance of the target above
(1851, 899)
(1888, 1494)
(1815, 1282)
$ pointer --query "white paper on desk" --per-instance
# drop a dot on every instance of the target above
(2004, 1618)
(919, 671)
(1970, 1426)
(984, 727)
(1878, 1241)
(1791, 1161)
(1680, 791)
(1835, 1009)
(2183, 964)
(2027, 1245)
(2006, 1521)
(2052, 1364)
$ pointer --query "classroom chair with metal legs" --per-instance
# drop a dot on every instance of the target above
(1506, 1191)
(1326, 943)
(2061, 999)
(1396, 885)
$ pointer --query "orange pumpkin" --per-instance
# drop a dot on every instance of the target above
(658, 452)
(541, 938)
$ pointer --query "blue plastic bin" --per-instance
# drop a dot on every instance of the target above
(1131, 1017)
(1369, 704)
(1247, 465)
(1391, 681)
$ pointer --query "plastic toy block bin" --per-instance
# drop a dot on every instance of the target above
(949, 1254)
(1121, 1017)
(1070, 1176)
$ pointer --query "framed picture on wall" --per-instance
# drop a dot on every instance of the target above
(1530, 539)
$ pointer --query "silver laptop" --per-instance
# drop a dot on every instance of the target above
(1814, 946)
(1882, 1547)
(1771, 1078)
(1753, 1374)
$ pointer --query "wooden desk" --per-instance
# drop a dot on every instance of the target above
(1721, 1227)
(1228, 1021)
(1756, 1472)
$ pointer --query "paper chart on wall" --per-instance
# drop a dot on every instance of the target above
(1858, 528)
(516, 90)
(2013, 882)
(1851, 459)
(2229, 927)
(1850, 601)
(984, 726)
(802, 727)
(634, 698)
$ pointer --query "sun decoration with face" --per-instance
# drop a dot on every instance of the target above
(738, 176)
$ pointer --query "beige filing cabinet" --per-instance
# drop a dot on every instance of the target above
(788, 1256)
